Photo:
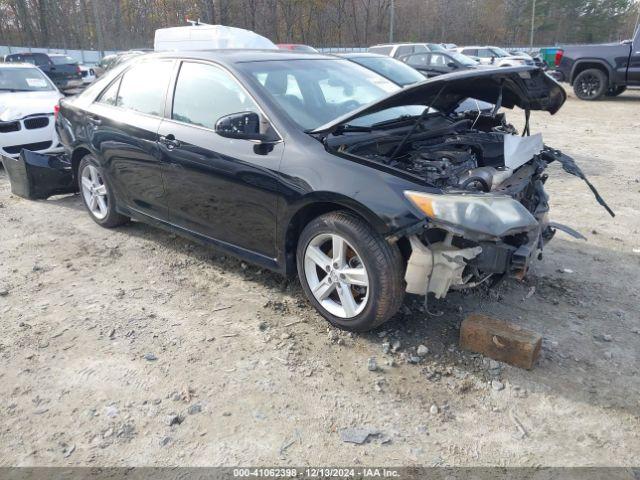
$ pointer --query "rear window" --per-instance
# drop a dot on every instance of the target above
(62, 59)
(381, 50)
(143, 88)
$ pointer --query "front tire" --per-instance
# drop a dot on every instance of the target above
(590, 84)
(97, 195)
(350, 274)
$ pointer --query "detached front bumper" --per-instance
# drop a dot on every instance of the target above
(37, 176)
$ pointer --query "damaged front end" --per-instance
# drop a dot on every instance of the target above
(486, 213)
(39, 176)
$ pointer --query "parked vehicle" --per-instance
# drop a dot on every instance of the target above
(63, 70)
(88, 74)
(449, 46)
(390, 68)
(27, 102)
(206, 37)
(538, 61)
(495, 56)
(111, 61)
(598, 70)
(311, 163)
(296, 47)
(397, 50)
(433, 64)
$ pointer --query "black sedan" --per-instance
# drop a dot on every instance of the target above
(311, 163)
(431, 64)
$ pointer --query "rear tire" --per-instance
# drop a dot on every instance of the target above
(97, 194)
(590, 84)
(365, 258)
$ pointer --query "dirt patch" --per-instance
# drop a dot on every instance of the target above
(135, 347)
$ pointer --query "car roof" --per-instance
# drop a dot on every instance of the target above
(237, 55)
(398, 44)
(361, 55)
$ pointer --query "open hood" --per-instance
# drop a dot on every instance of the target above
(526, 87)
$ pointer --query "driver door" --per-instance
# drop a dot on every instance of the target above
(220, 188)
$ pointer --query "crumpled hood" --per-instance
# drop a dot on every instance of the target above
(527, 87)
(17, 105)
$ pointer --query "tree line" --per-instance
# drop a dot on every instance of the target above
(130, 24)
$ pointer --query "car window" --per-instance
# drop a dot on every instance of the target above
(403, 50)
(143, 87)
(328, 88)
(419, 60)
(110, 95)
(485, 53)
(439, 60)
(61, 59)
(204, 93)
(470, 51)
(381, 50)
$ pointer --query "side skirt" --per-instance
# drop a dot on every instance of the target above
(231, 249)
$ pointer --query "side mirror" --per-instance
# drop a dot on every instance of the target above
(243, 126)
(452, 65)
(493, 59)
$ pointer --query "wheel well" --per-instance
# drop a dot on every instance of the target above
(581, 67)
(300, 220)
(77, 155)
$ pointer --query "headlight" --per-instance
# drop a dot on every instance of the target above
(493, 215)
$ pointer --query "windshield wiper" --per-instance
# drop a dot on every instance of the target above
(386, 123)
(14, 90)
(351, 128)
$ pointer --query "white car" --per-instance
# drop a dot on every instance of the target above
(397, 50)
(27, 102)
(88, 74)
(495, 56)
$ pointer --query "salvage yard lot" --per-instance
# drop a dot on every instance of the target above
(136, 347)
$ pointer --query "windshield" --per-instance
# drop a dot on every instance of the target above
(316, 91)
(500, 52)
(392, 69)
(23, 80)
(463, 59)
(61, 59)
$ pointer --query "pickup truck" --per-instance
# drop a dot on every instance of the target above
(598, 70)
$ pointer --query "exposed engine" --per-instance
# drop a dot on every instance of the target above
(464, 152)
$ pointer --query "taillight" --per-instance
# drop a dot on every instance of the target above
(56, 111)
(558, 58)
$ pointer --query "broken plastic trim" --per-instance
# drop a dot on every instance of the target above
(570, 166)
(37, 176)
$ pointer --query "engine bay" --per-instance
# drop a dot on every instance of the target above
(461, 151)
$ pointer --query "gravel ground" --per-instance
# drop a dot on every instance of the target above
(135, 347)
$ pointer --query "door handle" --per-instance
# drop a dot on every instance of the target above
(94, 120)
(169, 141)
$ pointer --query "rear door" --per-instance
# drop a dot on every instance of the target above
(123, 125)
(221, 188)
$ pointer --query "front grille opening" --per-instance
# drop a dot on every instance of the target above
(36, 122)
(8, 127)
(16, 149)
